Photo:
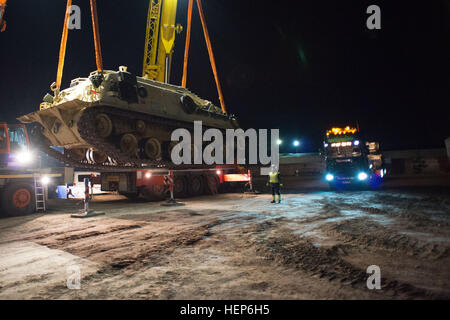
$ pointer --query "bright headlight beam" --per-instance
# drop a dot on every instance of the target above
(329, 177)
(24, 157)
(362, 176)
(45, 180)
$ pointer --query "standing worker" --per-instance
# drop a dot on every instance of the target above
(275, 183)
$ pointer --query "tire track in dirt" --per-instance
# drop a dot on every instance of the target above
(415, 210)
(394, 239)
(408, 214)
(376, 236)
(290, 250)
(119, 244)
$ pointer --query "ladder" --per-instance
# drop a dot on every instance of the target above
(39, 192)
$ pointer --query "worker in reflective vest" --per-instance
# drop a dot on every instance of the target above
(275, 183)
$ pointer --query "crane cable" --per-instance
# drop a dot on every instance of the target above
(210, 51)
(63, 46)
(188, 40)
(95, 28)
(62, 49)
(211, 55)
(2, 15)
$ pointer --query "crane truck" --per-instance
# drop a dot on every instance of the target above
(127, 140)
(152, 183)
(22, 184)
(19, 196)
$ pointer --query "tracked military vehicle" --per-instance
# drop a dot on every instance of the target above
(113, 118)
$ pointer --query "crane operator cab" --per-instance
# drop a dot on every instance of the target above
(14, 145)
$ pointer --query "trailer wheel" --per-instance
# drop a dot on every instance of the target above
(18, 199)
(213, 184)
(180, 188)
(196, 185)
(150, 193)
(133, 196)
(160, 191)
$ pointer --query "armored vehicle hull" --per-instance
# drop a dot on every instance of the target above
(116, 119)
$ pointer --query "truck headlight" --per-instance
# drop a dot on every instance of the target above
(329, 177)
(362, 176)
(45, 180)
(24, 157)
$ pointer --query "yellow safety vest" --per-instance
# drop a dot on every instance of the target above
(273, 177)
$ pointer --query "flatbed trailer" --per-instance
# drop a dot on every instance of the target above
(153, 184)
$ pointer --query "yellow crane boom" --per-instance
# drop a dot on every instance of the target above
(160, 39)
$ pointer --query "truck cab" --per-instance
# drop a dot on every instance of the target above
(14, 145)
(16, 183)
(349, 160)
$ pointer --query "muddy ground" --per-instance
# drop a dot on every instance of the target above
(314, 245)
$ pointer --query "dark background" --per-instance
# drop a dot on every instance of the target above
(300, 66)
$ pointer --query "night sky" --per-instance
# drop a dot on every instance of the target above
(300, 66)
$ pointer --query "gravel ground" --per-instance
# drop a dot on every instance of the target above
(315, 245)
